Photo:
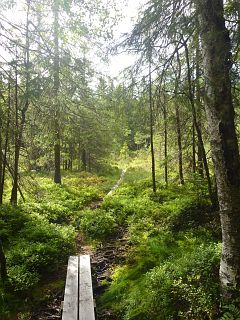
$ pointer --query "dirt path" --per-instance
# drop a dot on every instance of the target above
(105, 257)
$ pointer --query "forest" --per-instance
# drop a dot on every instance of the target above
(137, 165)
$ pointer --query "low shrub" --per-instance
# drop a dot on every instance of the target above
(21, 278)
(178, 281)
(97, 224)
(37, 248)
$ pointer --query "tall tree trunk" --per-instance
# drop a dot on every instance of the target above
(10, 170)
(179, 141)
(4, 156)
(3, 265)
(225, 152)
(17, 146)
(79, 156)
(1, 157)
(56, 85)
(196, 125)
(237, 6)
(20, 126)
(89, 162)
(178, 123)
(84, 159)
(151, 128)
(199, 109)
(165, 143)
(193, 149)
(71, 149)
(200, 159)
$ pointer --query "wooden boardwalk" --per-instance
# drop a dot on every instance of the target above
(78, 298)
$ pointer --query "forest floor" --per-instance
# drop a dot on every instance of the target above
(136, 239)
(104, 258)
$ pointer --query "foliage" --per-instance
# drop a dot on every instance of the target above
(231, 312)
(97, 224)
(171, 268)
(174, 283)
(36, 250)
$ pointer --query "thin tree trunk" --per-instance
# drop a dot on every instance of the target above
(4, 156)
(165, 143)
(13, 199)
(11, 171)
(1, 157)
(198, 111)
(84, 159)
(178, 123)
(195, 122)
(89, 162)
(3, 265)
(225, 152)
(20, 127)
(57, 146)
(193, 149)
(179, 141)
(151, 129)
(200, 160)
(79, 156)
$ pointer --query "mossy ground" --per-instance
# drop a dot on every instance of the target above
(171, 264)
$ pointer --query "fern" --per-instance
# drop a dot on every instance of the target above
(232, 313)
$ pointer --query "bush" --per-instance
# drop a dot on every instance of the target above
(21, 278)
(180, 280)
(39, 248)
(97, 224)
(54, 212)
(12, 220)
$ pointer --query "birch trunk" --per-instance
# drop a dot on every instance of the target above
(225, 153)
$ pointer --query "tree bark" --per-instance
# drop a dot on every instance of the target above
(165, 143)
(179, 141)
(1, 157)
(11, 171)
(225, 152)
(178, 123)
(20, 126)
(200, 158)
(4, 156)
(193, 148)
(84, 159)
(199, 110)
(17, 146)
(151, 129)
(3, 265)
(196, 125)
(56, 85)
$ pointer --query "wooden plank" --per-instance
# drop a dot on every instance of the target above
(86, 305)
(70, 304)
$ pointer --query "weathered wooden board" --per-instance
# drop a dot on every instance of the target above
(70, 304)
(86, 305)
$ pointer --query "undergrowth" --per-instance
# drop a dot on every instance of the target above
(39, 235)
(171, 268)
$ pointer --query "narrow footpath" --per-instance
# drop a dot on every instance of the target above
(103, 259)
